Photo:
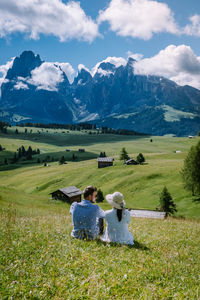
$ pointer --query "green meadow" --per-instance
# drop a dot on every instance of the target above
(39, 259)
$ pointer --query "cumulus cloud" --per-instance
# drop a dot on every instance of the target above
(34, 17)
(194, 27)
(21, 86)
(81, 66)
(178, 63)
(48, 75)
(139, 18)
(3, 71)
(67, 69)
(136, 56)
(117, 61)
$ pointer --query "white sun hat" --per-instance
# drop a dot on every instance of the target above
(116, 200)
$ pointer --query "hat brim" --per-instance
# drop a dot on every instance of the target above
(109, 199)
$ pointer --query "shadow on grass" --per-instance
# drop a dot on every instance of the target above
(23, 162)
(72, 139)
(137, 245)
(197, 199)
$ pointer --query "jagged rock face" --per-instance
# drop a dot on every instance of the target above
(114, 96)
(20, 96)
(23, 65)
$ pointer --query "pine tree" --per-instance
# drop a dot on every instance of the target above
(124, 154)
(16, 131)
(5, 161)
(140, 158)
(29, 151)
(166, 202)
(14, 159)
(1, 148)
(191, 170)
(100, 196)
(62, 160)
(23, 151)
(19, 153)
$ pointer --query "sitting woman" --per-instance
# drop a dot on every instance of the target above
(117, 220)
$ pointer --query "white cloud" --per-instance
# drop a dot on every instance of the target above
(194, 27)
(136, 56)
(21, 86)
(117, 61)
(67, 69)
(81, 66)
(3, 71)
(47, 76)
(49, 17)
(139, 18)
(178, 63)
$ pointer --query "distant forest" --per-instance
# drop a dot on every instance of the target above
(79, 127)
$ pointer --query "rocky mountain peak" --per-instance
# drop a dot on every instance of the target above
(23, 65)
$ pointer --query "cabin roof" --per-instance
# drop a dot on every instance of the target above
(130, 160)
(70, 191)
(105, 159)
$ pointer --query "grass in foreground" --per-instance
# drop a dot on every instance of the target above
(39, 260)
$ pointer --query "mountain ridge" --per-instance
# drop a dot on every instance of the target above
(41, 92)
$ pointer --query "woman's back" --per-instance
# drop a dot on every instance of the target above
(117, 231)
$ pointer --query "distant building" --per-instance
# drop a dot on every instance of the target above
(81, 150)
(131, 161)
(190, 136)
(67, 150)
(68, 194)
(146, 213)
(105, 162)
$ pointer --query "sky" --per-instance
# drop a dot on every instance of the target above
(164, 36)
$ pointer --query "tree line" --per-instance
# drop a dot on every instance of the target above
(81, 126)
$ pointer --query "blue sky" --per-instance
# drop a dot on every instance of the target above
(50, 31)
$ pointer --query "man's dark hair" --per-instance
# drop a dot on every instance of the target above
(89, 190)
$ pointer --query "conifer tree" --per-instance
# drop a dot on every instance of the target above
(140, 158)
(62, 160)
(166, 202)
(191, 170)
(124, 154)
(100, 196)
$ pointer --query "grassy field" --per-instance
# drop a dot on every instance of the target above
(39, 259)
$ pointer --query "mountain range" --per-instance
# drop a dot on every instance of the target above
(112, 95)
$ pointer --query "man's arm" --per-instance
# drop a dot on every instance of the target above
(101, 213)
(72, 208)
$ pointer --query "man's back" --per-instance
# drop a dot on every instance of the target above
(85, 216)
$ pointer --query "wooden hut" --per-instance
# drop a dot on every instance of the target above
(81, 150)
(68, 194)
(105, 162)
(131, 161)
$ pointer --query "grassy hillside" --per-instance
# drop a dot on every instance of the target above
(39, 259)
(141, 184)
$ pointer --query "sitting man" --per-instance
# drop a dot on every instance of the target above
(87, 217)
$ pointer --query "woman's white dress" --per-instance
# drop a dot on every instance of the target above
(116, 231)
